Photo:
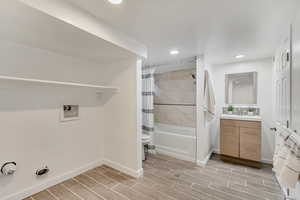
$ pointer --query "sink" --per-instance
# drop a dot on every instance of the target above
(241, 117)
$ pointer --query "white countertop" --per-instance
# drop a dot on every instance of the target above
(241, 117)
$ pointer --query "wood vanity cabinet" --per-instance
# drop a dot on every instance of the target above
(241, 139)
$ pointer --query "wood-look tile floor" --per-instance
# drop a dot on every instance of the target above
(167, 178)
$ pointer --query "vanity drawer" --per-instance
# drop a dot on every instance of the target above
(241, 123)
(250, 131)
(249, 124)
(229, 122)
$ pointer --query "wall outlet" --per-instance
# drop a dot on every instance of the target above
(69, 112)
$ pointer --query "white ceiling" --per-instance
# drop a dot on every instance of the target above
(219, 28)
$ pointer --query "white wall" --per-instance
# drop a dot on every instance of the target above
(122, 133)
(264, 68)
(31, 133)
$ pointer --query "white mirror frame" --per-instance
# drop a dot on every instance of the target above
(256, 88)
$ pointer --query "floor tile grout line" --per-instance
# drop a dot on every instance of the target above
(207, 177)
(53, 195)
(236, 191)
(102, 175)
(269, 192)
(157, 191)
(201, 192)
(122, 195)
(180, 191)
(152, 182)
(211, 195)
(111, 189)
(119, 192)
(160, 177)
(241, 191)
(77, 195)
(90, 189)
(232, 195)
(131, 179)
(247, 177)
(255, 195)
(137, 192)
(94, 180)
(117, 183)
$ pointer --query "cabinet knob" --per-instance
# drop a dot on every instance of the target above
(273, 129)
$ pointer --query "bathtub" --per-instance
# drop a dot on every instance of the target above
(176, 141)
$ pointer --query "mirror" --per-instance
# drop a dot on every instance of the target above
(241, 88)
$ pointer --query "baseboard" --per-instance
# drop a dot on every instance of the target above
(53, 181)
(217, 151)
(152, 151)
(263, 160)
(203, 163)
(267, 161)
(174, 153)
(124, 169)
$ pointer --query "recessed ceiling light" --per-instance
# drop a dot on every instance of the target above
(239, 56)
(174, 52)
(115, 1)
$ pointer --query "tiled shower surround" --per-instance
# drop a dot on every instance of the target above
(175, 98)
(242, 110)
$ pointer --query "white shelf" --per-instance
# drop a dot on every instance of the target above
(38, 82)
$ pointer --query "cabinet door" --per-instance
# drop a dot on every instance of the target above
(250, 143)
(230, 141)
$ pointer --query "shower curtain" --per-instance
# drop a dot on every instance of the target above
(148, 105)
